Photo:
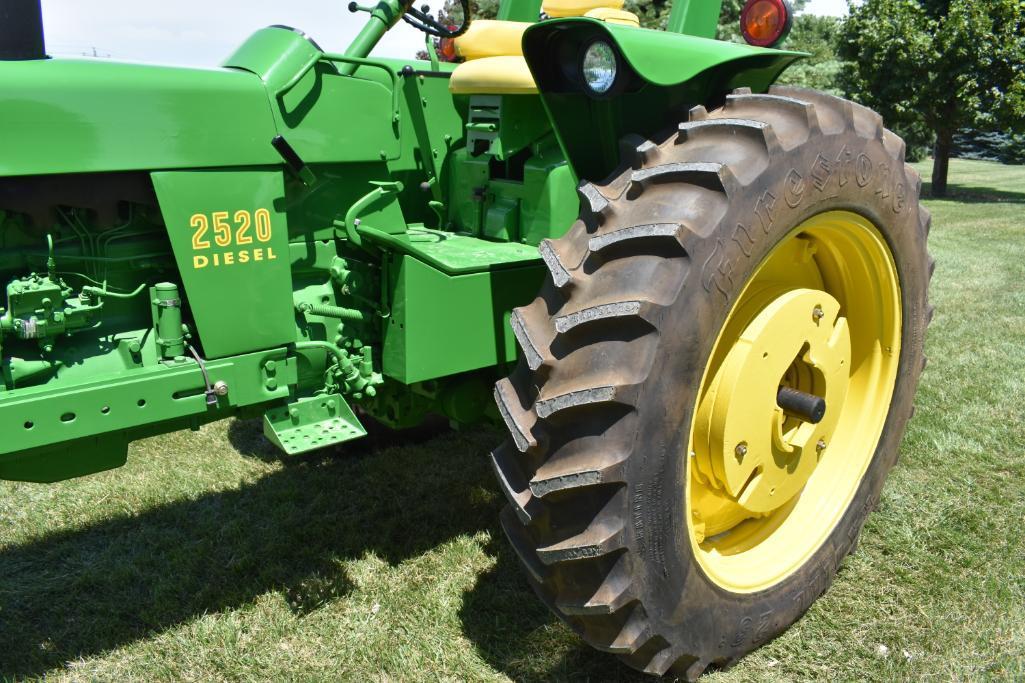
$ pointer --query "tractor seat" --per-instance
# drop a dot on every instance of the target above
(494, 55)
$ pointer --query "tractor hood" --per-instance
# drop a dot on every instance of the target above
(82, 115)
(661, 76)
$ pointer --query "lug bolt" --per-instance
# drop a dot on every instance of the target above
(820, 445)
(741, 450)
(817, 313)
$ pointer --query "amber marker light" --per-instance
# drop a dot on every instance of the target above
(765, 23)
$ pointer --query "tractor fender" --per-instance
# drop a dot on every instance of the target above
(662, 75)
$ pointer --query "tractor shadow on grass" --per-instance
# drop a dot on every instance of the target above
(77, 593)
(971, 194)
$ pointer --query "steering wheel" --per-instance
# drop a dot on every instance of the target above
(422, 20)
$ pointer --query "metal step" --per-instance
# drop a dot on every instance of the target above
(311, 423)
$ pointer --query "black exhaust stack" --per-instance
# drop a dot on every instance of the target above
(21, 30)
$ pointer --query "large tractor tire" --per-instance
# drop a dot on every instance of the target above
(676, 492)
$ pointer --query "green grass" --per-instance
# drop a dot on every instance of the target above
(209, 558)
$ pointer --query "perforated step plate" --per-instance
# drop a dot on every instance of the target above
(312, 423)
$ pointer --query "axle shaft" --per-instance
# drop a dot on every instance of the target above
(804, 406)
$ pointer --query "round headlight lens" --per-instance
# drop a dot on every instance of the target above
(599, 67)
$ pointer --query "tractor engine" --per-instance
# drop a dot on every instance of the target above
(78, 255)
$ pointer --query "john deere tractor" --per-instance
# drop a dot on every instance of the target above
(698, 299)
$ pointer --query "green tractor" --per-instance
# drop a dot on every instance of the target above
(698, 299)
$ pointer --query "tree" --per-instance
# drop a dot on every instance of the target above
(937, 66)
(1006, 148)
(817, 36)
(479, 9)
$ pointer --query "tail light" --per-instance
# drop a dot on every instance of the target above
(766, 23)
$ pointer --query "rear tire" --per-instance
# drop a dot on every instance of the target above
(601, 407)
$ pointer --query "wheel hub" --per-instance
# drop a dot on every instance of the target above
(757, 453)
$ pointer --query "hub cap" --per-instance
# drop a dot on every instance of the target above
(821, 317)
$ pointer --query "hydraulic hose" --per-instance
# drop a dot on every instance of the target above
(344, 362)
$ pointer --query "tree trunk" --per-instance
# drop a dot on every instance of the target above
(941, 162)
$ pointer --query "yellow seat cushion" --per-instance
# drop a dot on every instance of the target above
(576, 8)
(493, 76)
(615, 16)
(491, 38)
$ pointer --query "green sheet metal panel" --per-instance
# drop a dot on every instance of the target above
(331, 117)
(231, 245)
(80, 116)
(445, 324)
(458, 254)
(695, 17)
(324, 115)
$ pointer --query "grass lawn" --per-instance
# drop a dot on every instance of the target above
(209, 558)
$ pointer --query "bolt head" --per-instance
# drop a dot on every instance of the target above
(220, 387)
(741, 449)
(817, 313)
(820, 445)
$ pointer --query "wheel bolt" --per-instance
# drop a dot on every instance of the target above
(817, 313)
(741, 450)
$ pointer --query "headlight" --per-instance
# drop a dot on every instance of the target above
(599, 67)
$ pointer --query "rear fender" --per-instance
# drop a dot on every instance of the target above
(662, 75)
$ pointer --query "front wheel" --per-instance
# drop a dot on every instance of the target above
(715, 378)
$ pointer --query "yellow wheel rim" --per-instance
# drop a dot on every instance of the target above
(765, 487)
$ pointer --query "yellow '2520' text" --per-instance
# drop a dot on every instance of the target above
(244, 228)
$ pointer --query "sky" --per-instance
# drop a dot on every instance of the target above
(205, 32)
